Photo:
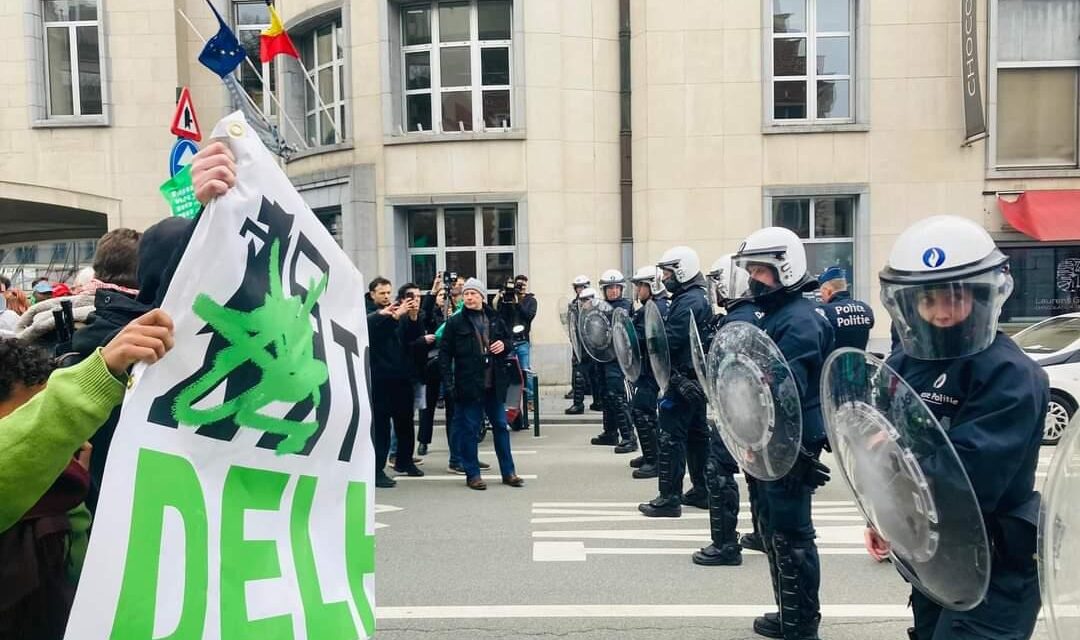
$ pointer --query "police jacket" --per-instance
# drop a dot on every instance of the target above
(805, 338)
(647, 376)
(992, 405)
(851, 319)
(390, 344)
(688, 304)
(465, 359)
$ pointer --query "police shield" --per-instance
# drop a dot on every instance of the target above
(572, 313)
(624, 339)
(907, 479)
(756, 400)
(657, 344)
(594, 331)
(1059, 526)
(697, 352)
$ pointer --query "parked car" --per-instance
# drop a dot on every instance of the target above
(1055, 344)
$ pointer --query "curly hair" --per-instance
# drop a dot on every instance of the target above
(22, 364)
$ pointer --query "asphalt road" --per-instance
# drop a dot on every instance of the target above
(569, 556)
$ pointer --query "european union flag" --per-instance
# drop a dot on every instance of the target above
(222, 53)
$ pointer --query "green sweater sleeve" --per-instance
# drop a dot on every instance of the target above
(38, 440)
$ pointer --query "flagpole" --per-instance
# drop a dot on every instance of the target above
(251, 101)
(318, 98)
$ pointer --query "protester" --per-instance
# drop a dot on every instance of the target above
(426, 356)
(472, 354)
(16, 301)
(42, 290)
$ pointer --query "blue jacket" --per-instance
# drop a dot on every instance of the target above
(851, 319)
(805, 338)
(992, 405)
(689, 304)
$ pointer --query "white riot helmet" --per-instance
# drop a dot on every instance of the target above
(683, 262)
(944, 286)
(730, 282)
(587, 294)
(612, 277)
(580, 281)
(648, 275)
(782, 251)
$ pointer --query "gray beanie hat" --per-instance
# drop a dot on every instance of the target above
(475, 285)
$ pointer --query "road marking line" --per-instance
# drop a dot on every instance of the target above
(609, 505)
(542, 511)
(850, 535)
(512, 452)
(858, 611)
(489, 478)
(704, 515)
(385, 508)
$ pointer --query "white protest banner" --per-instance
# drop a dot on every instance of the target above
(238, 497)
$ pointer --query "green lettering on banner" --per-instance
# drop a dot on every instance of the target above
(163, 480)
(359, 552)
(243, 560)
(324, 621)
(179, 192)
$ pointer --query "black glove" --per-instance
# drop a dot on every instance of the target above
(808, 471)
(690, 390)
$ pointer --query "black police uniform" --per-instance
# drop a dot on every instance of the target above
(992, 405)
(682, 420)
(851, 320)
(805, 338)
(581, 370)
(618, 425)
(646, 395)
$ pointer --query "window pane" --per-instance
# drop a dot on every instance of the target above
(252, 13)
(495, 66)
(1038, 30)
(462, 263)
(417, 26)
(833, 15)
(494, 19)
(341, 122)
(1044, 282)
(310, 128)
(330, 217)
(60, 96)
(454, 23)
(789, 100)
(833, 99)
(833, 57)
(422, 230)
(457, 111)
(60, 10)
(1037, 132)
(423, 270)
(307, 51)
(339, 41)
(418, 70)
(834, 217)
(794, 214)
(324, 44)
(497, 109)
(456, 66)
(327, 131)
(499, 226)
(789, 16)
(419, 112)
(500, 268)
(309, 97)
(789, 57)
(326, 85)
(460, 227)
(822, 255)
(86, 39)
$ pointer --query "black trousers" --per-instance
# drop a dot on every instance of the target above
(1008, 612)
(392, 402)
(682, 427)
(427, 416)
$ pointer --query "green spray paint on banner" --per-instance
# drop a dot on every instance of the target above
(278, 339)
(180, 194)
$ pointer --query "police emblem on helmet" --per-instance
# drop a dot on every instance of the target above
(934, 257)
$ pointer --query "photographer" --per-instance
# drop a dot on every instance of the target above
(517, 308)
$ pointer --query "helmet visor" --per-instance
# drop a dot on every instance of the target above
(764, 272)
(945, 320)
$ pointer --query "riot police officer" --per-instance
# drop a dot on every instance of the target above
(579, 383)
(776, 261)
(851, 319)
(646, 390)
(730, 287)
(682, 407)
(618, 426)
(944, 286)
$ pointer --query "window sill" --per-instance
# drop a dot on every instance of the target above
(422, 138)
(72, 122)
(1026, 174)
(851, 127)
(315, 151)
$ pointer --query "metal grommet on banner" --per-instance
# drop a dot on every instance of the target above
(236, 130)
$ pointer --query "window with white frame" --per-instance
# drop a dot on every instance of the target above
(330, 217)
(471, 241)
(252, 18)
(826, 225)
(323, 53)
(1038, 74)
(456, 60)
(811, 61)
(72, 58)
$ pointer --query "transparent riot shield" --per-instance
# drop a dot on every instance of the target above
(624, 339)
(1059, 539)
(907, 479)
(657, 344)
(594, 331)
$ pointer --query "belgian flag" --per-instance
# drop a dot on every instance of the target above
(275, 41)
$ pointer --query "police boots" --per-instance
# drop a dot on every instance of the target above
(662, 507)
(669, 503)
(723, 519)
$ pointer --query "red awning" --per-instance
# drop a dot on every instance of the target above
(1044, 215)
